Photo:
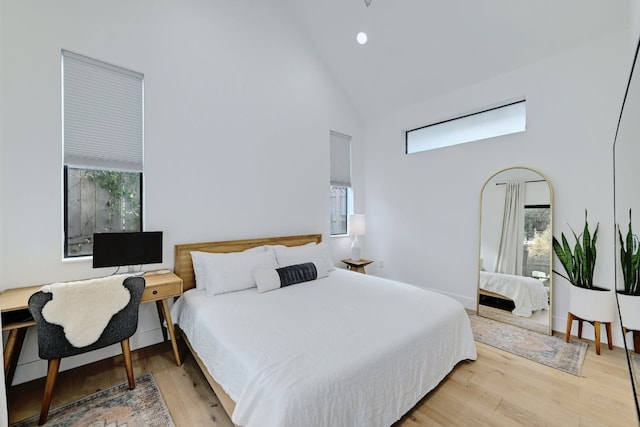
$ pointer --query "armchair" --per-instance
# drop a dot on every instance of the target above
(53, 344)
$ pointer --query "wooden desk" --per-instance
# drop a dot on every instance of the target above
(14, 308)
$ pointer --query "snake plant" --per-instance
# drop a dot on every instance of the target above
(630, 261)
(580, 263)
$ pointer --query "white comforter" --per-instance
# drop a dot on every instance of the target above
(346, 350)
(527, 293)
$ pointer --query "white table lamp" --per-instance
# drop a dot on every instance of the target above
(356, 228)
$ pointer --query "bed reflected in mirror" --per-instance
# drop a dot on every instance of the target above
(514, 278)
(626, 150)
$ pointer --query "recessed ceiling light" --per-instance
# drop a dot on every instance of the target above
(361, 37)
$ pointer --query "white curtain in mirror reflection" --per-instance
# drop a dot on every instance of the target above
(508, 260)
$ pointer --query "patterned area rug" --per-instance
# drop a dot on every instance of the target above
(545, 349)
(115, 407)
(507, 317)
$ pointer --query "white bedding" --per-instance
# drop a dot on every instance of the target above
(346, 350)
(527, 293)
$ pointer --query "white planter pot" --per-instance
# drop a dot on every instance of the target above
(592, 304)
(630, 311)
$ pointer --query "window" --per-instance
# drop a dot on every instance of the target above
(103, 146)
(340, 186)
(537, 241)
(339, 205)
(503, 120)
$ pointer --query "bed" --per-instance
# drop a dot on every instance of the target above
(343, 350)
(528, 294)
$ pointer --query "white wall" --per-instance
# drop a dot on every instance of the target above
(634, 24)
(238, 111)
(423, 209)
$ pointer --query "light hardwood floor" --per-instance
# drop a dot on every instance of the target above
(499, 389)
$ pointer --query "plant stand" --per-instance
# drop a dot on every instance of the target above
(596, 306)
(630, 313)
(596, 324)
(636, 338)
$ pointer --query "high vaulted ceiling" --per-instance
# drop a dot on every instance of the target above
(419, 49)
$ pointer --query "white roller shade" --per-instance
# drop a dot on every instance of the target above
(340, 160)
(103, 114)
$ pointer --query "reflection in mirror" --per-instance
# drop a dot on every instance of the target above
(626, 148)
(514, 278)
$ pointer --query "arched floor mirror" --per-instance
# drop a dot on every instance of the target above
(515, 284)
(626, 158)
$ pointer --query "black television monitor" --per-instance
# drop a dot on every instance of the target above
(127, 248)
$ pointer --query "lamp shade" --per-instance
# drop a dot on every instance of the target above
(356, 225)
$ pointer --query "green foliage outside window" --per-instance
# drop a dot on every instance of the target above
(99, 201)
(123, 189)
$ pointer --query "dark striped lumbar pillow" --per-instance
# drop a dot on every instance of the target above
(268, 279)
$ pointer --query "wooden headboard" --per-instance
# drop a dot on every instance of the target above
(184, 266)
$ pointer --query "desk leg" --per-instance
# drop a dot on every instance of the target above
(12, 353)
(172, 332)
(161, 317)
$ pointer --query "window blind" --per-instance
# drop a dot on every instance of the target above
(340, 160)
(103, 114)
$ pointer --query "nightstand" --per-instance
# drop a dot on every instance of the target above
(357, 266)
(159, 288)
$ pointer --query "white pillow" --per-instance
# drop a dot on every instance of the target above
(198, 259)
(292, 255)
(207, 265)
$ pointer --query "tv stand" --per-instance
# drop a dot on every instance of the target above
(135, 273)
(132, 271)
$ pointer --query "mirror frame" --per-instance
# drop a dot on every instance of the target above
(634, 385)
(479, 266)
